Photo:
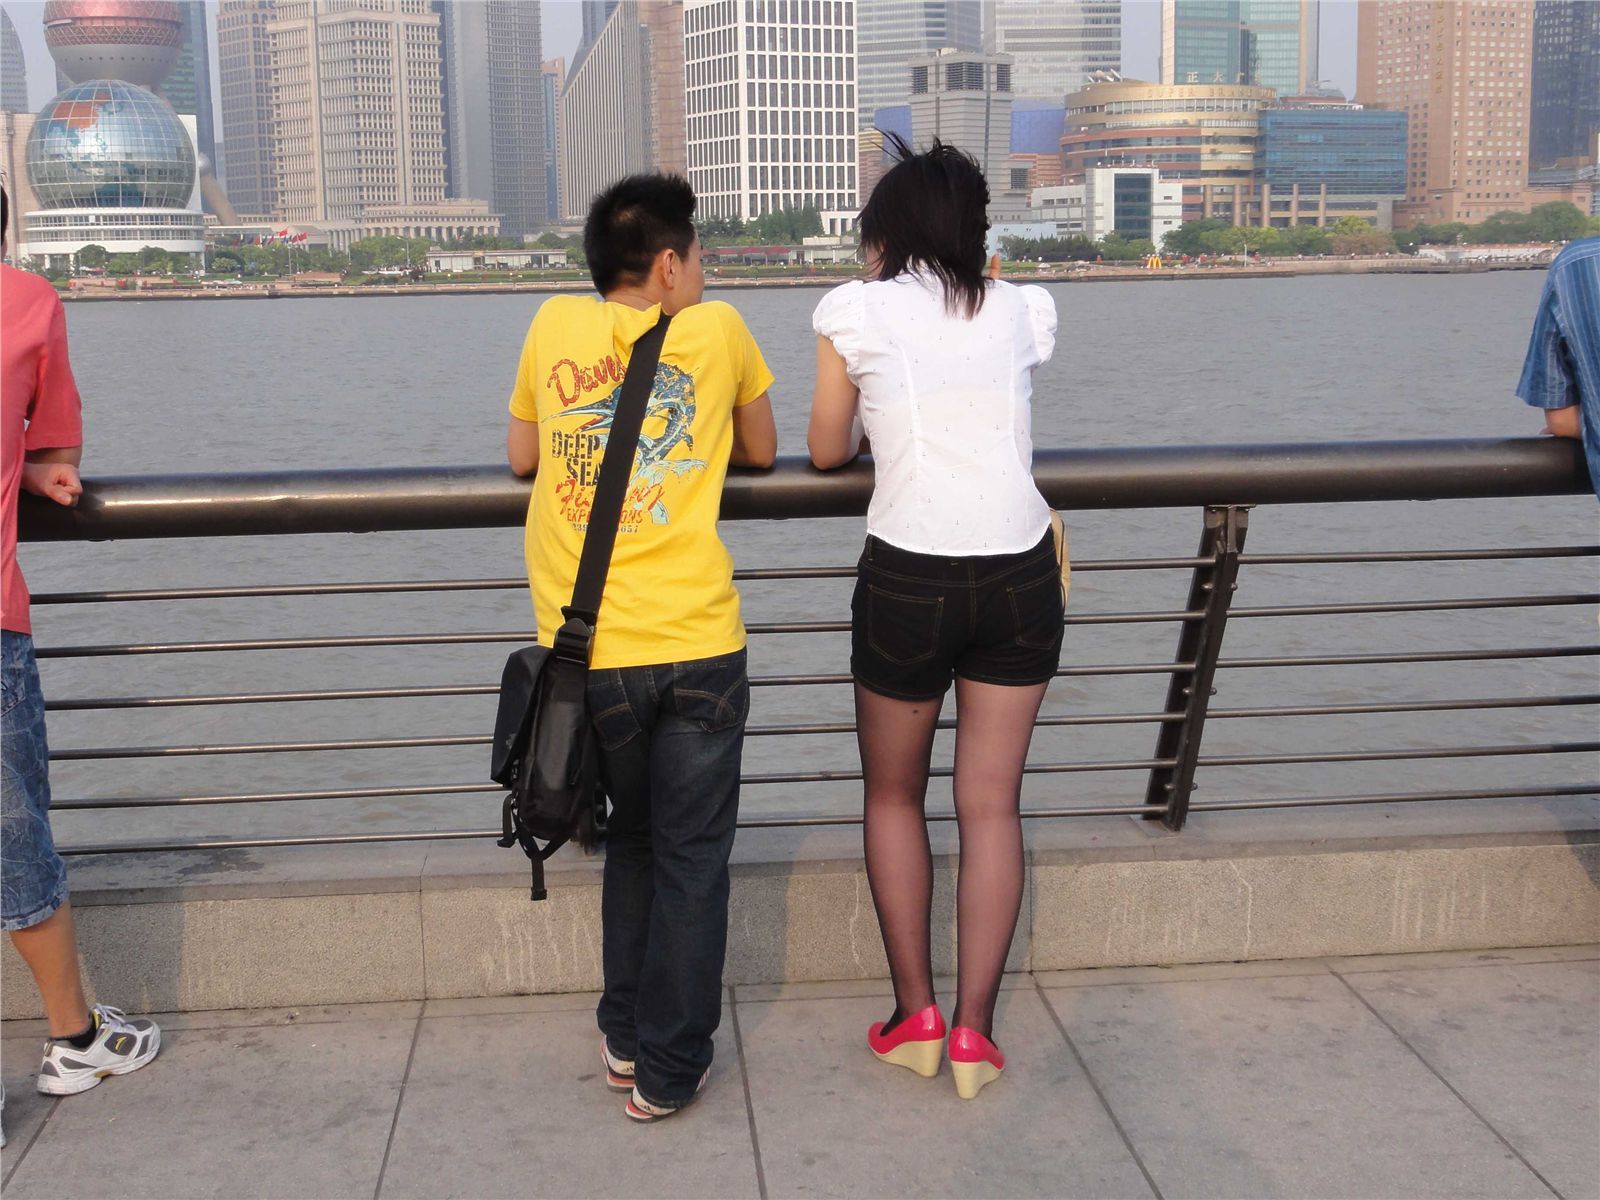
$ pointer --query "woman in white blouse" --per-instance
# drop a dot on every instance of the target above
(958, 581)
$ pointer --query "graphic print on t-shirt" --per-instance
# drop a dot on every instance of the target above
(668, 416)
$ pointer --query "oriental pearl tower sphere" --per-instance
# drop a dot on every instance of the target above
(136, 41)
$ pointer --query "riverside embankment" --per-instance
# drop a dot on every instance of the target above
(1065, 273)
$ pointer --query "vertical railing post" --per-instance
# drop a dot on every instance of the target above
(1200, 643)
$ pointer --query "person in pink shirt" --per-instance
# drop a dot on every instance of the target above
(41, 444)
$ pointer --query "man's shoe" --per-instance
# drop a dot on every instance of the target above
(619, 1071)
(642, 1110)
(119, 1046)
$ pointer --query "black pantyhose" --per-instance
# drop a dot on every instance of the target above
(993, 727)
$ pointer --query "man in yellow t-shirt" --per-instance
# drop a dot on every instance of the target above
(668, 689)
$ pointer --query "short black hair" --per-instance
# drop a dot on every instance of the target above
(929, 213)
(631, 222)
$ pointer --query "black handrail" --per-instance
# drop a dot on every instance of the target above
(368, 500)
(1222, 480)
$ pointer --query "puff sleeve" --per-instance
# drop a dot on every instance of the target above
(839, 318)
(1041, 319)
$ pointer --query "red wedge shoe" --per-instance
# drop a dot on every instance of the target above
(917, 1043)
(974, 1061)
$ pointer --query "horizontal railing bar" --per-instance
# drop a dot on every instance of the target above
(1350, 660)
(376, 587)
(1073, 768)
(843, 819)
(1100, 810)
(1342, 756)
(1334, 710)
(371, 793)
(397, 586)
(1404, 606)
(100, 754)
(434, 835)
(323, 643)
(1575, 789)
(97, 703)
(372, 499)
(948, 723)
(1386, 556)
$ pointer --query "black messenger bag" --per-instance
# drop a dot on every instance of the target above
(545, 752)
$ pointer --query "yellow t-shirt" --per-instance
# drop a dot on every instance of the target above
(669, 594)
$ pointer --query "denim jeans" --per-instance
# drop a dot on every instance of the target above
(33, 879)
(671, 738)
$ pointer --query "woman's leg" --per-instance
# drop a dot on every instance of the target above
(896, 740)
(993, 727)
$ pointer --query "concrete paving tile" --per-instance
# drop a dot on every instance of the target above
(833, 1121)
(488, 1006)
(1183, 973)
(1282, 1087)
(516, 1105)
(318, 1014)
(25, 1109)
(1447, 959)
(1518, 1042)
(846, 989)
(265, 1111)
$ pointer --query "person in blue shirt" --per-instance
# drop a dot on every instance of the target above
(1562, 371)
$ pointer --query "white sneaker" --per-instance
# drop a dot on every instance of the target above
(119, 1046)
(642, 1110)
(619, 1071)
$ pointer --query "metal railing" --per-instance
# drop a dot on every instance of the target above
(1225, 482)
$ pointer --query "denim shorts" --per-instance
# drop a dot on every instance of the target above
(33, 879)
(919, 620)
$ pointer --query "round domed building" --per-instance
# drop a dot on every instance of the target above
(112, 165)
(109, 162)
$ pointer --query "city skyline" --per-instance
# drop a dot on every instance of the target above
(562, 30)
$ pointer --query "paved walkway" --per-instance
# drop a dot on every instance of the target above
(1450, 1075)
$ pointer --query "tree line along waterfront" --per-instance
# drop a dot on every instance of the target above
(387, 260)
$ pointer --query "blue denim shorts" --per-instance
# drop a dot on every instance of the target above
(33, 879)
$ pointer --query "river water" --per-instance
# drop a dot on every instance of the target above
(210, 386)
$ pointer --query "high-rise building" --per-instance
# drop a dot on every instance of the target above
(1323, 161)
(963, 98)
(771, 107)
(595, 15)
(188, 87)
(13, 68)
(890, 33)
(1057, 44)
(663, 23)
(605, 122)
(357, 103)
(1203, 135)
(494, 109)
(1266, 43)
(553, 78)
(1565, 114)
(1460, 70)
(244, 70)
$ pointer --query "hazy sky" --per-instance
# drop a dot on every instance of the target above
(1141, 41)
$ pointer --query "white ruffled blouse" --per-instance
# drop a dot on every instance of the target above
(946, 402)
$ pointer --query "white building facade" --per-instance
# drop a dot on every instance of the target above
(771, 107)
(604, 124)
(1133, 202)
(1057, 44)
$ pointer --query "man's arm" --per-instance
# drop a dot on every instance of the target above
(1564, 422)
(755, 434)
(522, 446)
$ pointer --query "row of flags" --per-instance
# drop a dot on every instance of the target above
(282, 237)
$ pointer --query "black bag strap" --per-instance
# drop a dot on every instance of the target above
(616, 469)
